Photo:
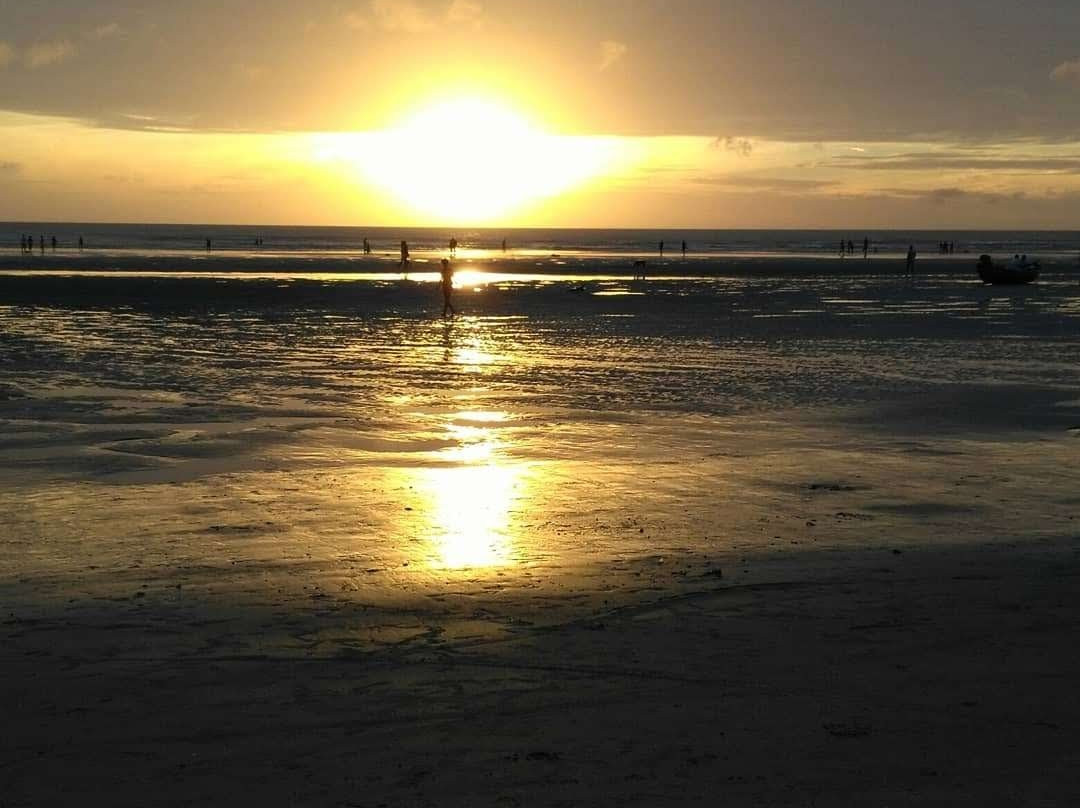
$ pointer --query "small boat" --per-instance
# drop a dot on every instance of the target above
(1015, 272)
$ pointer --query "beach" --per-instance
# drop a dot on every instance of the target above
(762, 529)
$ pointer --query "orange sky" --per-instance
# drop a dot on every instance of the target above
(636, 113)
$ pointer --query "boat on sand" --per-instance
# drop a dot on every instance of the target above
(1015, 272)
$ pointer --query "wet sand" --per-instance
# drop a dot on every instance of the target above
(568, 262)
(760, 544)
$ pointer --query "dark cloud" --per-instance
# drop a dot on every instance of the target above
(933, 161)
(739, 145)
(820, 70)
(776, 184)
(941, 196)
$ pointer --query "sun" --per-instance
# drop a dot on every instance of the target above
(470, 160)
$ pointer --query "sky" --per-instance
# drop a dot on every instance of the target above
(605, 113)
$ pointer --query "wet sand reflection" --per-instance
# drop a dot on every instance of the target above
(472, 496)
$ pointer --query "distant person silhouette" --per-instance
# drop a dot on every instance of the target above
(684, 249)
(80, 244)
(843, 248)
(209, 246)
(661, 249)
(865, 247)
(911, 256)
(504, 245)
(367, 247)
(41, 243)
(447, 288)
(404, 256)
(54, 243)
(453, 246)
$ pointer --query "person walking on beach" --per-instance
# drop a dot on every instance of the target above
(911, 256)
(684, 249)
(41, 244)
(54, 243)
(865, 246)
(447, 288)
(80, 244)
(367, 247)
(453, 246)
(404, 256)
(209, 246)
(504, 245)
(661, 249)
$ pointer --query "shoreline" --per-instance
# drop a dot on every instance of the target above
(733, 265)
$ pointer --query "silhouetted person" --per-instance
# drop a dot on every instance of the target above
(54, 243)
(367, 247)
(22, 243)
(911, 256)
(851, 247)
(404, 256)
(453, 246)
(80, 244)
(843, 248)
(504, 245)
(41, 243)
(209, 246)
(684, 249)
(661, 249)
(447, 288)
(865, 247)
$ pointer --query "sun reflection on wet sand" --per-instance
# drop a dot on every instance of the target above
(472, 497)
(471, 515)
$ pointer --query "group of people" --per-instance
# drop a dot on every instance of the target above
(446, 272)
(848, 247)
(947, 247)
(26, 244)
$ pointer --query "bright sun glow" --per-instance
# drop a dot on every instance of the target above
(470, 160)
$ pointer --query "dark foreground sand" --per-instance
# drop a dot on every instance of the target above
(942, 677)
(564, 552)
